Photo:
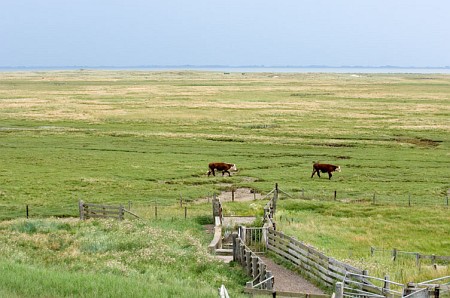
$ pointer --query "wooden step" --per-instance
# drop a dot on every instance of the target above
(224, 252)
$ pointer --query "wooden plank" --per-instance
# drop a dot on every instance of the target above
(305, 268)
(97, 206)
(279, 240)
(307, 264)
(321, 267)
(345, 266)
(300, 258)
(99, 209)
(313, 262)
(106, 212)
(299, 249)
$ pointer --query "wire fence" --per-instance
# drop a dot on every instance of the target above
(150, 210)
(376, 197)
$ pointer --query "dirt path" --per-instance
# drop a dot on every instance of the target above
(289, 281)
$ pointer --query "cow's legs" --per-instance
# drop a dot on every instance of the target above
(314, 171)
(226, 171)
(329, 175)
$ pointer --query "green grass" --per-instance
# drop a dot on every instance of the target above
(348, 231)
(147, 137)
(140, 136)
(66, 258)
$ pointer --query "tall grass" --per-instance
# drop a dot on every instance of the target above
(348, 231)
(66, 258)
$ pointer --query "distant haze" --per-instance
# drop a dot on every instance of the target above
(234, 33)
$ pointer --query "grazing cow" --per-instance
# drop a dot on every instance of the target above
(221, 166)
(324, 168)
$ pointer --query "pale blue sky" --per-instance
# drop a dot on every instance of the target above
(232, 32)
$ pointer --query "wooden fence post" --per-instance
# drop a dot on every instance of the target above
(248, 261)
(156, 212)
(436, 291)
(335, 195)
(185, 212)
(234, 238)
(339, 290)
(244, 235)
(274, 200)
(242, 253)
(81, 208)
(269, 283)
(262, 273)
(386, 286)
(121, 212)
(232, 194)
(27, 211)
(254, 266)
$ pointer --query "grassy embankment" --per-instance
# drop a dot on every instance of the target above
(69, 258)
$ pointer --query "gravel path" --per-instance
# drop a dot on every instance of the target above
(289, 281)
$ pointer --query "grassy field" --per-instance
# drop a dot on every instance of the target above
(141, 136)
(147, 137)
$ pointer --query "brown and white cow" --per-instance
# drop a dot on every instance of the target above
(324, 168)
(221, 166)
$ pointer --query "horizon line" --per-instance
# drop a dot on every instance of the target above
(221, 66)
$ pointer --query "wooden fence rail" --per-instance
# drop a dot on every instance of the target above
(309, 260)
(88, 210)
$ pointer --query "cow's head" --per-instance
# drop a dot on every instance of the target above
(338, 169)
(233, 168)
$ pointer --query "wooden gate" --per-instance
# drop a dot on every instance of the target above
(88, 210)
(254, 238)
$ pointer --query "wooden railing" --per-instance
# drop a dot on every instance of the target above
(309, 260)
(88, 210)
(254, 266)
(216, 242)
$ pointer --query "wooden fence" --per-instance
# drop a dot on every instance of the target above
(309, 260)
(88, 210)
(254, 265)
(348, 280)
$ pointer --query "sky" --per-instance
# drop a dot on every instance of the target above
(233, 32)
